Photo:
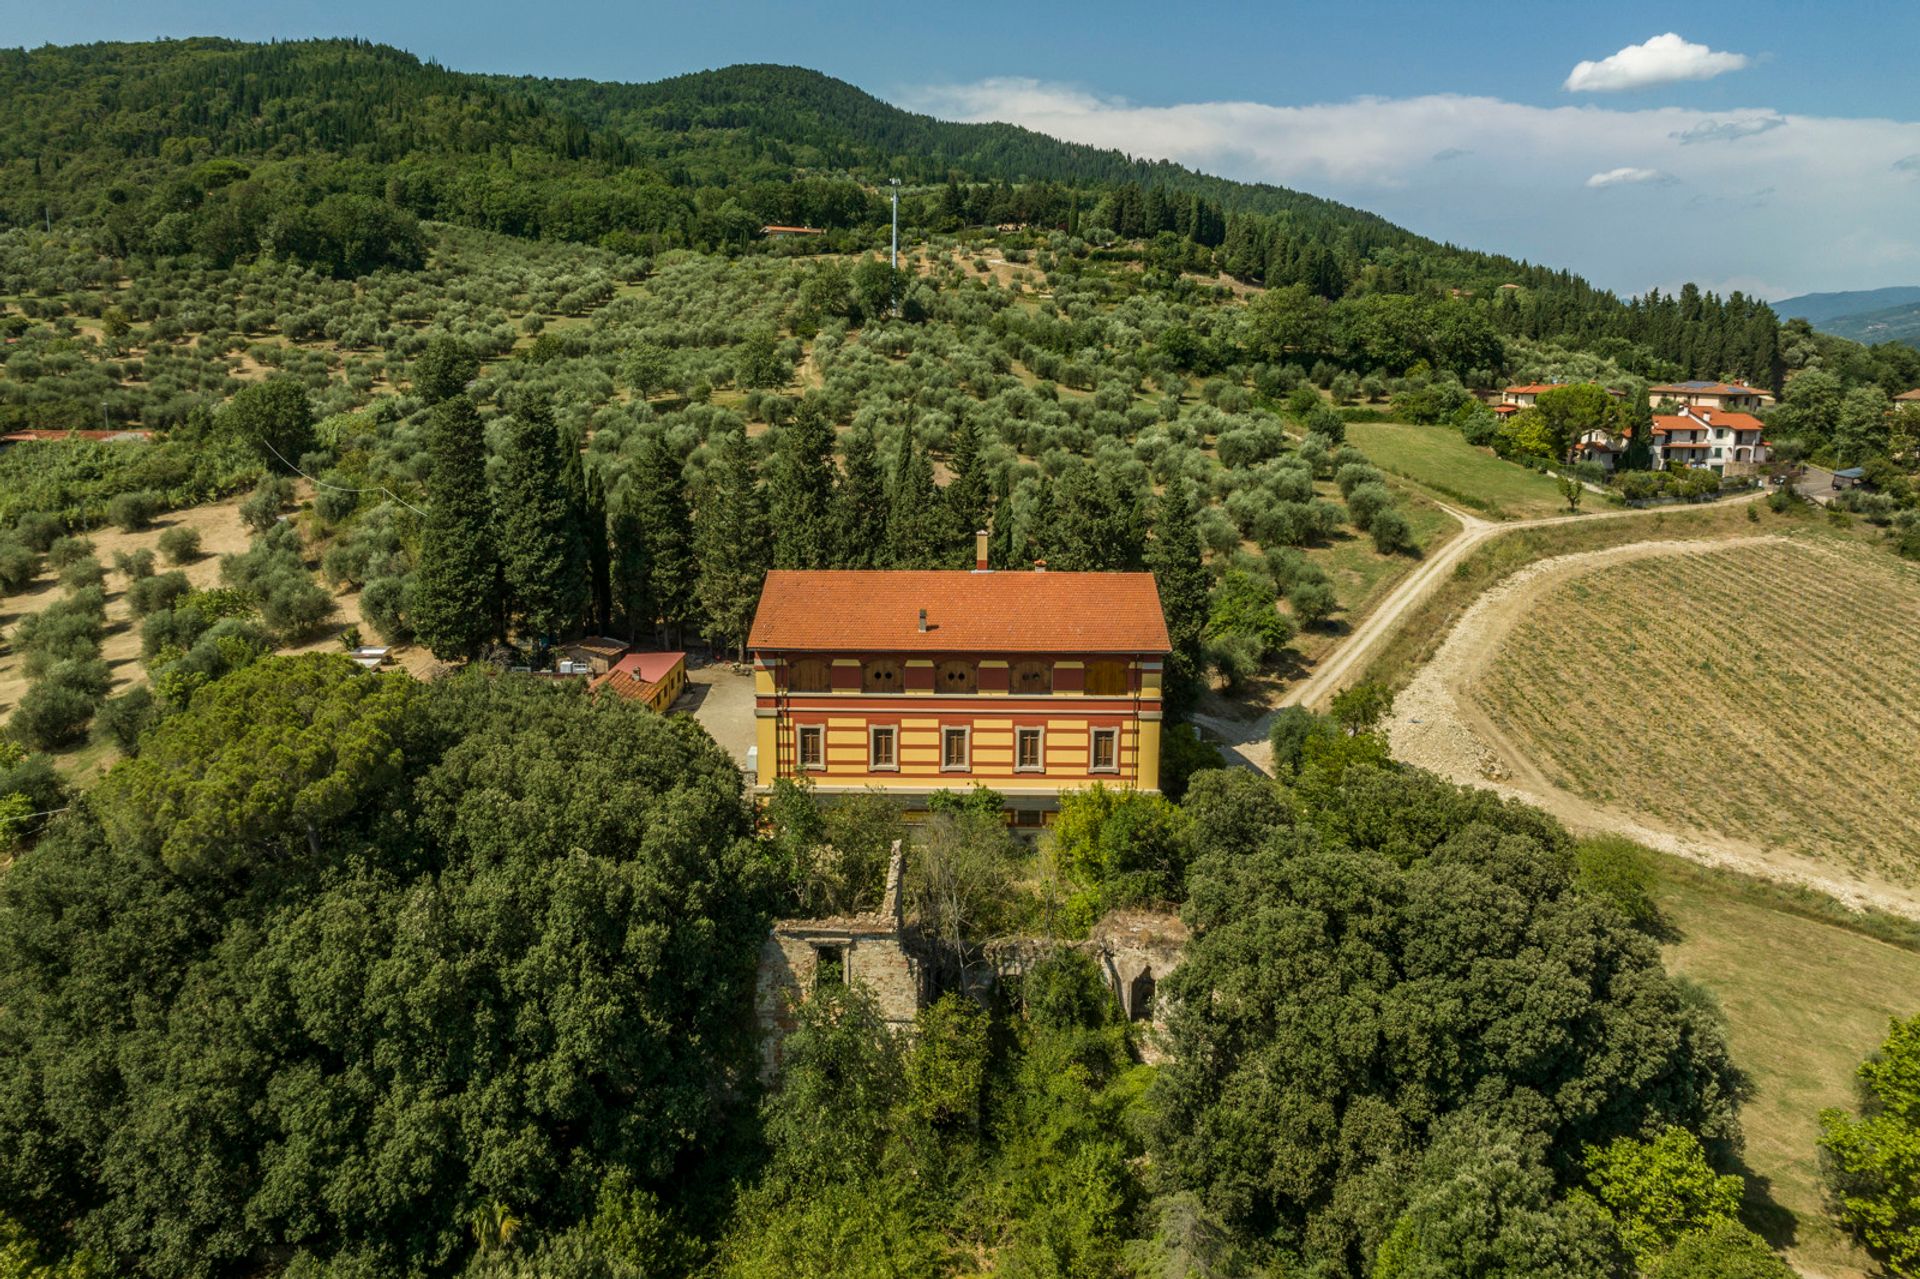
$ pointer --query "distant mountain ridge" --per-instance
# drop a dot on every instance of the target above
(1864, 315)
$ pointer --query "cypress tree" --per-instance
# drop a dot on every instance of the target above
(860, 505)
(730, 542)
(666, 527)
(914, 515)
(1000, 547)
(599, 553)
(454, 597)
(966, 493)
(800, 493)
(1174, 556)
(541, 548)
(629, 571)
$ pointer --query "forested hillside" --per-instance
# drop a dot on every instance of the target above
(325, 152)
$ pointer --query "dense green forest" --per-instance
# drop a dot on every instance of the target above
(349, 975)
(326, 152)
(354, 975)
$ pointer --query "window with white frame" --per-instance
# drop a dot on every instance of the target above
(1029, 750)
(813, 746)
(953, 749)
(1103, 751)
(882, 748)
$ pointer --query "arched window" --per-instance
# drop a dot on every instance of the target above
(810, 675)
(954, 677)
(1106, 679)
(1031, 677)
(882, 675)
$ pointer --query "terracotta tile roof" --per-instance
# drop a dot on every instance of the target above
(1706, 388)
(1908, 397)
(634, 676)
(23, 436)
(849, 610)
(1535, 388)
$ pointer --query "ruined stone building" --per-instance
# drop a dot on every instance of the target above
(1135, 952)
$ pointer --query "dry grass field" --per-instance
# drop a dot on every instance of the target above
(1766, 692)
(1806, 999)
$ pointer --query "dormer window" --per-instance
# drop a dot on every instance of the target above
(955, 677)
(1031, 677)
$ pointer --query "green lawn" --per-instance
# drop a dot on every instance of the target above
(1437, 457)
(1805, 1002)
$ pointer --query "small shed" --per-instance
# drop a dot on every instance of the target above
(656, 679)
(596, 654)
(1852, 478)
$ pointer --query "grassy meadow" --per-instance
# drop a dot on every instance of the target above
(1440, 459)
(1806, 998)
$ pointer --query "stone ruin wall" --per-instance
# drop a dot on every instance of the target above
(1136, 951)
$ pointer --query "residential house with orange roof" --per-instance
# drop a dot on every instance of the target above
(1733, 396)
(1728, 443)
(912, 682)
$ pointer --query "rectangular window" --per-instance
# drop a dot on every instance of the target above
(829, 967)
(1028, 756)
(813, 746)
(953, 750)
(881, 756)
(1104, 752)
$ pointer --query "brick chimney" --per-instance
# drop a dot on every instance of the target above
(980, 551)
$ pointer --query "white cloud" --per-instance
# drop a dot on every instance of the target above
(1729, 130)
(1515, 178)
(1664, 59)
(1625, 175)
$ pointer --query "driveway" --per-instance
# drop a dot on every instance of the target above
(722, 702)
(1816, 484)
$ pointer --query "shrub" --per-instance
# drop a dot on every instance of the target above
(89, 676)
(384, 604)
(293, 605)
(50, 717)
(1293, 727)
(68, 550)
(82, 573)
(261, 510)
(1312, 602)
(1614, 870)
(1366, 503)
(1352, 475)
(19, 565)
(122, 719)
(133, 565)
(180, 544)
(1391, 532)
(134, 511)
(151, 595)
(39, 530)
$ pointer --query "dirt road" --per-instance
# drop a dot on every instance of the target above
(1436, 725)
(1246, 741)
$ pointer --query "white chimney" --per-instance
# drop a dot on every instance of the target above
(923, 621)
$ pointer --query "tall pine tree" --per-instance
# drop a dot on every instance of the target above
(730, 542)
(666, 526)
(966, 494)
(915, 517)
(541, 548)
(1174, 556)
(454, 597)
(800, 491)
(860, 505)
(629, 570)
(593, 525)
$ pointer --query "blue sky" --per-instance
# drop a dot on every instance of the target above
(1767, 146)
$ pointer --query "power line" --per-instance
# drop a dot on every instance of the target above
(341, 488)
